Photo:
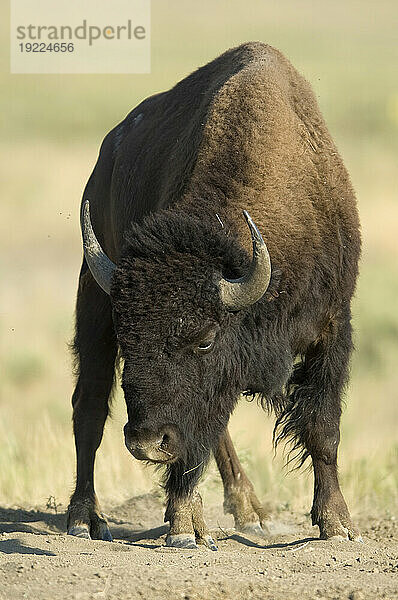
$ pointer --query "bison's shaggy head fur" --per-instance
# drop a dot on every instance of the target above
(167, 307)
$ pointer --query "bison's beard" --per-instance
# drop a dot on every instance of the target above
(182, 476)
(181, 479)
(201, 421)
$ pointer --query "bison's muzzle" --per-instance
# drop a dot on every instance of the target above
(157, 447)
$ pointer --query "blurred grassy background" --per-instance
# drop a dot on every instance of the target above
(51, 130)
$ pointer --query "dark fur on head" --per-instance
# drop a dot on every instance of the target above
(165, 291)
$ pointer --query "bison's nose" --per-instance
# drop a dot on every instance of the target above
(160, 446)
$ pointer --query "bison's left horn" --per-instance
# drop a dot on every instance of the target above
(240, 293)
(101, 267)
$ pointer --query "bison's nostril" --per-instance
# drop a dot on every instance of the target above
(164, 446)
(165, 441)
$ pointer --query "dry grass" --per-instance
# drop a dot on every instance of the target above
(43, 168)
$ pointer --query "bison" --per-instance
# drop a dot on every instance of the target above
(197, 312)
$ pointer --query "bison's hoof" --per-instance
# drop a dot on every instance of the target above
(208, 541)
(188, 541)
(345, 537)
(104, 532)
(340, 529)
(95, 529)
(100, 531)
(182, 540)
(253, 529)
(80, 531)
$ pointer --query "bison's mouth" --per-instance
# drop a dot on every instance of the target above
(156, 455)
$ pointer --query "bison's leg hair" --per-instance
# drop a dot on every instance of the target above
(95, 351)
(239, 496)
(311, 419)
(187, 525)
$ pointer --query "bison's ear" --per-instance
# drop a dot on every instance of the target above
(240, 293)
(101, 267)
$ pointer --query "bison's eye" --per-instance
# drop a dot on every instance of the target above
(202, 341)
(206, 345)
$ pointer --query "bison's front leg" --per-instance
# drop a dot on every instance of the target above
(239, 496)
(329, 509)
(312, 418)
(187, 524)
(95, 350)
(185, 514)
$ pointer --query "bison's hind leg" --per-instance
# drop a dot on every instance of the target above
(239, 496)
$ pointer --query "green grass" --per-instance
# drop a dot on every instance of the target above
(52, 129)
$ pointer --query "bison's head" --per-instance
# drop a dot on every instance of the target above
(180, 295)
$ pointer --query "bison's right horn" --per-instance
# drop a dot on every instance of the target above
(101, 267)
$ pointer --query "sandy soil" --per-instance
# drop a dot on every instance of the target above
(38, 561)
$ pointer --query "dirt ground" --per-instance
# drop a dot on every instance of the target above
(38, 561)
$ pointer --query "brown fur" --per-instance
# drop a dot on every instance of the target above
(166, 198)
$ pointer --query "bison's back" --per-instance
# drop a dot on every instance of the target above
(146, 161)
(242, 132)
(266, 148)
